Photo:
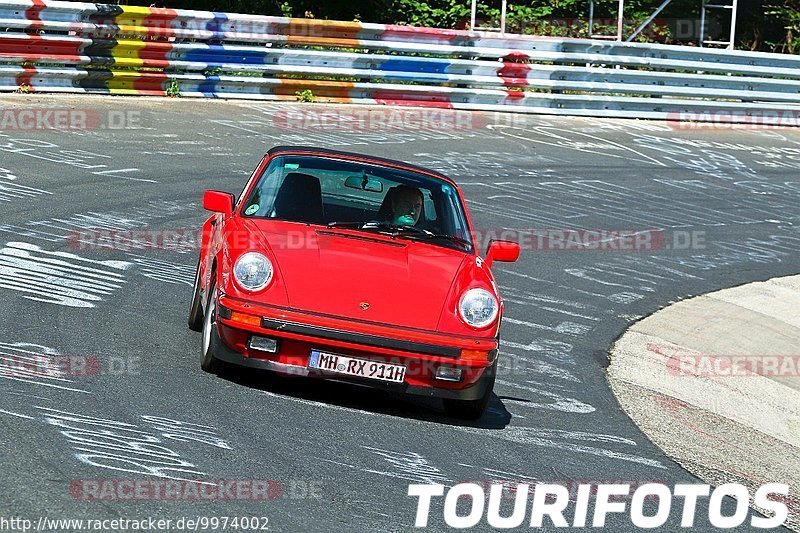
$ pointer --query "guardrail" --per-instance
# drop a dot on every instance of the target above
(53, 46)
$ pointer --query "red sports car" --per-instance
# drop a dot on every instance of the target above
(353, 268)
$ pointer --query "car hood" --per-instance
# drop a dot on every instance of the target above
(360, 275)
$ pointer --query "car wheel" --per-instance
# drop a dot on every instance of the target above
(472, 409)
(209, 361)
(196, 307)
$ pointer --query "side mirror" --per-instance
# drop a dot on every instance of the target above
(503, 251)
(218, 202)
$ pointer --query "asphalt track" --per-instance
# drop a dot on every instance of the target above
(344, 457)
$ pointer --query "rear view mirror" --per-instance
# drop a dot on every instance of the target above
(364, 183)
(218, 202)
(503, 251)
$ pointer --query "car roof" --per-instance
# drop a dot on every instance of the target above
(353, 155)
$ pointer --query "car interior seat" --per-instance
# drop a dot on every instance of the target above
(300, 199)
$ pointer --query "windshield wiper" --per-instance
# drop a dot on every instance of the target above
(386, 226)
(413, 232)
(340, 224)
(451, 238)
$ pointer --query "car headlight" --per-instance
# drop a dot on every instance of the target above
(478, 308)
(253, 271)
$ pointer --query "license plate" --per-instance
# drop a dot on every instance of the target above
(350, 366)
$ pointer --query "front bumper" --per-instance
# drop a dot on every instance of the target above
(298, 333)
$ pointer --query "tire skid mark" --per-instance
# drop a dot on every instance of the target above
(121, 446)
(511, 363)
(11, 190)
(62, 229)
(58, 277)
(406, 465)
(518, 435)
(34, 364)
(559, 402)
(165, 271)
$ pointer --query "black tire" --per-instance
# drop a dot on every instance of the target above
(472, 409)
(196, 307)
(210, 340)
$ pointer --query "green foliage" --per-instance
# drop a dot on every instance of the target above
(563, 18)
(762, 25)
(174, 90)
(305, 96)
(788, 16)
(440, 14)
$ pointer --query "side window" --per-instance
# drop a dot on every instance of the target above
(429, 207)
(459, 224)
(262, 198)
(247, 184)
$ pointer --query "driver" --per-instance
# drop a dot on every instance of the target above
(406, 206)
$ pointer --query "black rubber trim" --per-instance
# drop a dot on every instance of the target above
(473, 392)
(360, 338)
(362, 238)
(347, 155)
(224, 312)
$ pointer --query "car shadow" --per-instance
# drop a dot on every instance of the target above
(359, 398)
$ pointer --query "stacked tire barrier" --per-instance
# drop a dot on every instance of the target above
(52, 46)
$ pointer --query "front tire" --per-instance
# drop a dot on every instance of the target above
(210, 337)
(472, 409)
(196, 307)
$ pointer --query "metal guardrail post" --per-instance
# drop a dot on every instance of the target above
(702, 23)
(644, 24)
(734, 12)
(473, 15)
(732, 8)
(620, 22)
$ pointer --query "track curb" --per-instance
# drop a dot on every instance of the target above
(671, 374)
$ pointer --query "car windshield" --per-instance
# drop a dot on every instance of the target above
(360, 196)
